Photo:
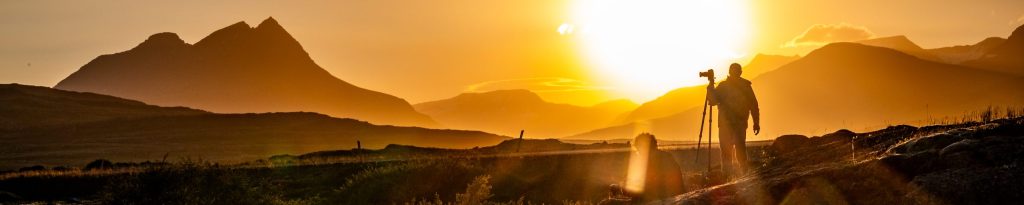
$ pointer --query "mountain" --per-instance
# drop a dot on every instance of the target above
(685, 98)
(615, 106)
(58, 128)
(963, 53)
(24, 107)
(1008, 57)
(675, 101)
(852, 86)
(508, 111)
(762, 63)
(236, 69)
(902, 44)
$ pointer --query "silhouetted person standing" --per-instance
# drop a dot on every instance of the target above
(736, 102)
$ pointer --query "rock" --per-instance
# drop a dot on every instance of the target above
(843, 135)
(962, 145)
(99, 164)
(1001, 150)
(976, 185)
(934, 142)
(787, 143)
(914, 164)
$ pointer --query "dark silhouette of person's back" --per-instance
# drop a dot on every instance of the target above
(736, 103)
(662, 177)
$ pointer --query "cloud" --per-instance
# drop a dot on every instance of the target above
(539, 85)
(821, 34)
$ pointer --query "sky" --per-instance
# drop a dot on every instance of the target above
(423, 50)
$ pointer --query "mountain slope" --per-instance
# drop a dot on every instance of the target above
(1007, 57)
(762, 63)
(23, 106)
(236, 69)
(675, 101)
(685, 98)
(902, 44)
(855, 86)
(56, 127)
(509, 111)
(960, 54)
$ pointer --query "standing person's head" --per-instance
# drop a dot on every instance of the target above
(735, 70)
(645, 142)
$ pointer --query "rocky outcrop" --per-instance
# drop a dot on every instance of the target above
(969, 163)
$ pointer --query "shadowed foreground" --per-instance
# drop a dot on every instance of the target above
(972, 163)
(945, 164)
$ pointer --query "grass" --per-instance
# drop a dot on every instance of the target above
(568, 178)
(408, 175)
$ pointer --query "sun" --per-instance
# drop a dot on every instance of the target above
(645, 48)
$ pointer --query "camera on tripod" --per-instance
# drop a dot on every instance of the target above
(710, 74)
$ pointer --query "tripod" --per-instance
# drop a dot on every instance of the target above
(704, 114)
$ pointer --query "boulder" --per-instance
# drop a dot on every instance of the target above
(843, 135)
(934, 142)
(787, 143)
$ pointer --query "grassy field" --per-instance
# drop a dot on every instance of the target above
(553, 177)
(973, 160)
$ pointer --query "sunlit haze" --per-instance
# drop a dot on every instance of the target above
(646, 48)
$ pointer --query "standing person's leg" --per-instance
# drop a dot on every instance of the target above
(740, 135)
(726, 144)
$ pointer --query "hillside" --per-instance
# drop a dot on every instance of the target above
(675, 101)
(902, 44)
(685, 98)
(964, 53)
(237, 69)
(1008, 57)
(23, 107)
(856, 86)
(45, 126)
(762, 63)
(507, 112)
(216, 137)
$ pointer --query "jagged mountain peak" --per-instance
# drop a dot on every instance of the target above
(237, 69)
(270, 23)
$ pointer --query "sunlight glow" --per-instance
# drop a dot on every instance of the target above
(565, 29)
(649, 47)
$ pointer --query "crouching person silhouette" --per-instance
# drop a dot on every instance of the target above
(736, 102)
(652, 175)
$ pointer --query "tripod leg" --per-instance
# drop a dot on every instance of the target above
(710, 125)
(700, 135)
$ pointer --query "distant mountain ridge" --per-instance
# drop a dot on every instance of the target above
(902, 44)
(1007, 57)
(855, 87)
(963, 53)
(685, 98)
(236, 69)
(509, 111)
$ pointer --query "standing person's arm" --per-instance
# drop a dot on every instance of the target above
(755, 112)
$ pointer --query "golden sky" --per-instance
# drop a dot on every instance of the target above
(427, 50)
